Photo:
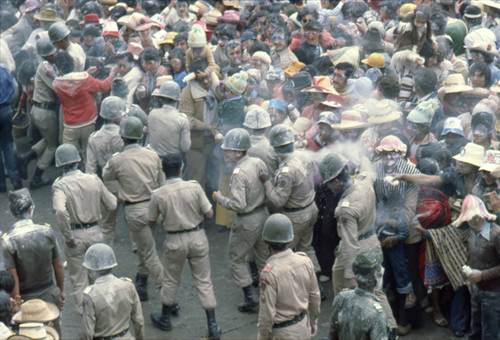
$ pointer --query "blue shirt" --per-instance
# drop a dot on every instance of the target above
(485, 232)
(6, 85)
(178, 78)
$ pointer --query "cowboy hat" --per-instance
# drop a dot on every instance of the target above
(349, 120)
(471, 154)
(46, 14)
(36, 310)
(35, 331)
(454, 83)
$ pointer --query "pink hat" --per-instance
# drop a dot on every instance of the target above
(391, 144)
(143, 24)
(91, 18)
(110, 28)
(30, 6)
(232, 17)
(472, 206)
(136, 49)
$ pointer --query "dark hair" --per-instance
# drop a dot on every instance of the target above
(348, 68)
(311, 69)
(150, 54)
(181, 26)
(354, 9)
(5, 308)
(313, 25)
(178, 53)
(259, 46)
(365, 277)
(117, 12)
(75, 25)
(324, 65)
(198, 65)
(484, 70)
(388, 86)
(64, 62)
(344, 175)
(172, 164)
(277, 246)
(76, 34)
(231, 45)
(7, 282)
(123, 55)
(425, 79)
(443, 155)
(287, 148)
(427, 51)
(180, 37)
(91, 30)
(483, 118)
(305, 11)
(26, 71)
(438, 20)
(304, 54)
(473, 10)
(390, 7)
(428, 166)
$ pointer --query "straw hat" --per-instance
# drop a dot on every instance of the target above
(349, 120)
(491, 160)
(321, 84)
(36, 310)
(471, 154)
(46, 14)
(332, 104)
(211, 17)
(472, 206)
(35, 331)
(454, 83)
(199, 5)
(384, 111)
(375, 60)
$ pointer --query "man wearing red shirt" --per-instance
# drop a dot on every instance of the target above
(76, 93)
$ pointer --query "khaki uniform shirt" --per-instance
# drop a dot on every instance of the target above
(263, 150)
(357, 314)
(102, 145)
(293, 185)
(169, 131)
(288, 288)
(355, 215)
(182, 204)
(77, 199)
(247, 191)
(138, 171)
(78, 54)
(108, 307)
(44, 90)
(30, 249)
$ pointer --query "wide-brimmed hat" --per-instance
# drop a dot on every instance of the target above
(489, 3)
(350, 120)
(321, 84)
(200, 5)
(35, 331)
(36, 310)
(232, 17)
(385, 111)
(332, 103)
(232, 3)
(47, 14)
(298, 82)
(211, 17)
(471, 154)
(485, 47)
(143, 24)
(454, 83)
(130, 20)
(491, 160)
(472, 206)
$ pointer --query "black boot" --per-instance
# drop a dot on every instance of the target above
(37, 181)
(321, 288)
(175, 309)
(251, 303)
(22, 163)
(254, 273)
(213, 328)
(162, 319)
(141, 285)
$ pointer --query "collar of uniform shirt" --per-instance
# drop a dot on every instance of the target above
(485, 232)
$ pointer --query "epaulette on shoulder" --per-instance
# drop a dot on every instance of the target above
(125, 279)
(88, 289)
(183, 114)
(93, 133)
(301, 253)
(57, 179)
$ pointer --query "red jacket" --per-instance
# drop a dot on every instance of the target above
(76, 93)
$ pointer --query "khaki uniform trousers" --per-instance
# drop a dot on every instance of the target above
(245, 237)
(338, 279)
(46, 123)
(191, 246)
(52, 295)
(136, 216)
(301, 330)
(78, 274)
(303, 223)
(109, 217)
(79, 137)
(224, 216)
(196, 163)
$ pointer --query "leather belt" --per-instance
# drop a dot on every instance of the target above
(292, 322)
(119, 335)
(289, 210)
(251, 212)
(130, 203)
(45, 106)
(198, 227)
(366, 235)
(83, 225)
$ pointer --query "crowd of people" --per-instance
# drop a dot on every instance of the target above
(355, 142)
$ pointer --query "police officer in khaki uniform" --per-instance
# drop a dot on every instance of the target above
(357, 313)
(355, 215)
(248, 201)
(77, 199)
(289, 293)
(44, 114)
(168, 128)
(31, 254)
(110, 303)
(257, 122)
(138, 172)
(102, 145)
(292, 189)
(59, 35)
(183, 205)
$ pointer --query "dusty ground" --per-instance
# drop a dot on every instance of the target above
(191, 323)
